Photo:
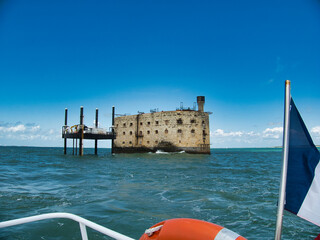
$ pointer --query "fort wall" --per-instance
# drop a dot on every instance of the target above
(171, 131)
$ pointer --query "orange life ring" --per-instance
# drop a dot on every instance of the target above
(189, 229)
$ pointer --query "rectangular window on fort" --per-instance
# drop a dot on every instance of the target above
(148, 123)
(192, 121)
(124, 133)
(141, 124)
(130, 132)
(166, 122)
(124, 125)
(148, 132)
(179, 121)
(130, 142)
(193, 131)
(166, 131)
(131, 124)
(179, 131)
(156, 131)
(157, 122)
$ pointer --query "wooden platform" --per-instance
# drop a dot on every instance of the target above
(93, 136)
(82, 132)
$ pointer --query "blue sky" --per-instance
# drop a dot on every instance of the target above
(141, 55)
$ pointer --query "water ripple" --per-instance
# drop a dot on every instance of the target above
(236, 188)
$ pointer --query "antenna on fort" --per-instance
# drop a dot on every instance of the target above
(194, 106)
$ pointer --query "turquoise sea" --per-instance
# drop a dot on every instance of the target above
(235, 188)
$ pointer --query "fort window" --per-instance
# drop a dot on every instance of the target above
(131, 124)
(141, 124)
(192, 121)
(157, 122)
(148, 123)
(179, 131)
(140, 133)
(193, 131)
(156, 131)
(124, 125)
(148, 142)
(179, 121)
(123, 142)
(203, 132)
(202, 122)
(130, 142)
(124, 133)
(156, 142)
(166, 131)
(117, 125)
(148, 132)
(166, 122)
(130, 132)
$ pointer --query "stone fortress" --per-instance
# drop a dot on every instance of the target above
(170, 131)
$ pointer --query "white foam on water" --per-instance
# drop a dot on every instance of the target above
(161, 152)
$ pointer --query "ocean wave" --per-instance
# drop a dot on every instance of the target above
(161, 152)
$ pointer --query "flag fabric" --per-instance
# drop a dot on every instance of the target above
(303, 174)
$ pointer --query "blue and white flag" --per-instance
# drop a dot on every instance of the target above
(303, 175)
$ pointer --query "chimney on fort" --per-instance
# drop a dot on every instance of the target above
(200, 101)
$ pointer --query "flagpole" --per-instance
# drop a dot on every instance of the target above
(285, 152)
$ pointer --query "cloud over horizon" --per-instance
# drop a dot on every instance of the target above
(270, 137)
(26, 134)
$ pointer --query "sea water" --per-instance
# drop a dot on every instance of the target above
(235, 188)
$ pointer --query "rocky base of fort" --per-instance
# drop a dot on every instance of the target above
(192, 150)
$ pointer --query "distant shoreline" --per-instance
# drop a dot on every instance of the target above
(276, 147)
(110, 147)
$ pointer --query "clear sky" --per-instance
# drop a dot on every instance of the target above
(146, 54)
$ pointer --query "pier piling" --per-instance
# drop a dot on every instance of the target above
(81, 132)
(96, 140)
(65, 124)
(112, 140)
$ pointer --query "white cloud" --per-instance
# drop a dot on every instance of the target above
(26, 133)
(35, 128)
(222, 133)
(269, 137)
(13, 129)
(273, 133)
(316, 130)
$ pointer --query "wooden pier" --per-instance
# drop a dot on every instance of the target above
(81, 132)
